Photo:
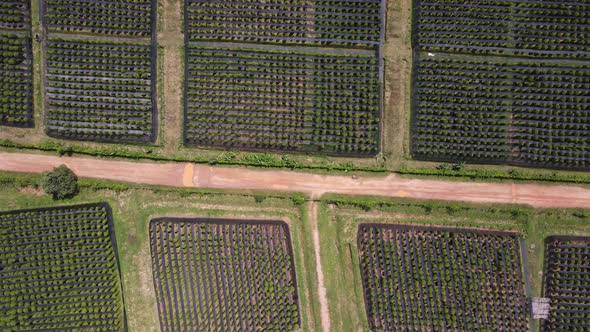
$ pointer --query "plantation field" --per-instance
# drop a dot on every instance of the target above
(112, 17)
(59, 270)
(567, 283)
(532, 28)
(318, 22)
(102, 87)
(421, 278)
(16, 95)
(526, 112)
(98, 90)
(221, 274)
(528, 107)
(286, 101)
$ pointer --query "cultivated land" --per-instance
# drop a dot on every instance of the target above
(60, 270)
(224, 274)
(133, 208)
(15, 64)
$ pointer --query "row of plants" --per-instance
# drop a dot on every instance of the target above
(567, 284)
(418, 278)
(255, 99)
(508, 111)
(111, 17)
(15, 80)
(14, 14)
(346, 23)
(535, 28)
(224, 275)
(59, 270)
(99, 91)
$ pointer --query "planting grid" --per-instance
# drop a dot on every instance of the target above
(436, 279)
(59, 270)
(15, 64)
(530, 107)
(317, 22)
(259, 76)
(100, 88)
(567, 283)
(224, 275)
(283, 101)
(113, 17)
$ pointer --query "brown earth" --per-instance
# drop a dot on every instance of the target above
(204, 176)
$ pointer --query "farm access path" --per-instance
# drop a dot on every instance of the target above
(205, 176)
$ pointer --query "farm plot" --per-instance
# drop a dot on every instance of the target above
(284, 101)
(15, 14)
(59, 270)
(517, 111)
(435, 279)
(567, 283)
(532, 28)
(99, 90)
(112, 17)
(224, 275)
(15, 80)
(319, 22)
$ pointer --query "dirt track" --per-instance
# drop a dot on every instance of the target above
(203, 176)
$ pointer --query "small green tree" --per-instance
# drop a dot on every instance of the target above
(60, 183)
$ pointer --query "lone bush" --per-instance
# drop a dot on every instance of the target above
(60, 183)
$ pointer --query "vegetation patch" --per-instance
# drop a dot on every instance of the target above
(224, 275)
(59, 270)
(567, 283)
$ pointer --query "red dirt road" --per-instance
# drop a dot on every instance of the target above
(203, 176)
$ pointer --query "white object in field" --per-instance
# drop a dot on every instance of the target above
(541, 307)
(430, 54)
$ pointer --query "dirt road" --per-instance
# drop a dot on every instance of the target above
(203, 176)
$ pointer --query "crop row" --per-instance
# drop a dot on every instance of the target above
(113, 17)
(99, 91)
(59, 271)
(567, 284)
(329, 22)
(256, 99)
(536, 28)
(223, 275)
(506, 111)
(15, 80)
(14, 14)
(427, 279)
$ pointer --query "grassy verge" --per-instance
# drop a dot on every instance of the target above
(133, 206)
(340, 217)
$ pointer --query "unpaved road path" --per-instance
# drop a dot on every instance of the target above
(204, 176)
(322, 295)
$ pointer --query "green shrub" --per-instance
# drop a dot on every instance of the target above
(60, 183)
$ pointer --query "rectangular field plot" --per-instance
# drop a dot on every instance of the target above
(224, 275)
(435, 279)
(15, 14)
(545, 28)
(59, 270)
(112, 17)
(567, 284)
(283, 101)
(515, 111)
(100, 91)
(318, 22)
(15, 79)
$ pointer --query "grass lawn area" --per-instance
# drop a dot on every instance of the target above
(339, 217)
(134, 206)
